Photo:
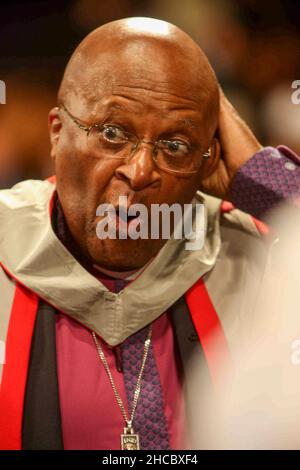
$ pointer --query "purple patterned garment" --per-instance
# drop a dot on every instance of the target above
(149, 422)
(268, 178)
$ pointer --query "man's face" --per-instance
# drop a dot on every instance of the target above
(150, 104)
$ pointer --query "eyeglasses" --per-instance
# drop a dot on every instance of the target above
(111, 141)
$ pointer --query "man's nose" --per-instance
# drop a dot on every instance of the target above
(139, 168)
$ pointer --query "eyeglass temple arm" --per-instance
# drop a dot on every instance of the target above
(74, 119)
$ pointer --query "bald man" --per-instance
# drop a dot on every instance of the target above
(99, 331)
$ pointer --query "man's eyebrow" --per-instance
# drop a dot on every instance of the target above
(114, 106)
(110, 108)
(107, 111)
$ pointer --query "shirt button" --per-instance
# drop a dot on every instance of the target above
(290, 166)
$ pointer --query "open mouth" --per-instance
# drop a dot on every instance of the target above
(123, 215)
(124, 220)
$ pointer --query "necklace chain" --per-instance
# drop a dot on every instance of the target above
(139, 380)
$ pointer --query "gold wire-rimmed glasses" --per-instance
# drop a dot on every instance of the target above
(111, 141)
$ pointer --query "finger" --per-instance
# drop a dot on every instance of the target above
(224, 101)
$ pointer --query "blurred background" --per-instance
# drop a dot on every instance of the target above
(254, 47)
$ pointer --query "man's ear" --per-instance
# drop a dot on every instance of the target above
(211, 159)
(54, 127)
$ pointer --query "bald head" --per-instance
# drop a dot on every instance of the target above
(144, 53)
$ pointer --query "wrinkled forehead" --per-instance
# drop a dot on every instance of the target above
(136, 69)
